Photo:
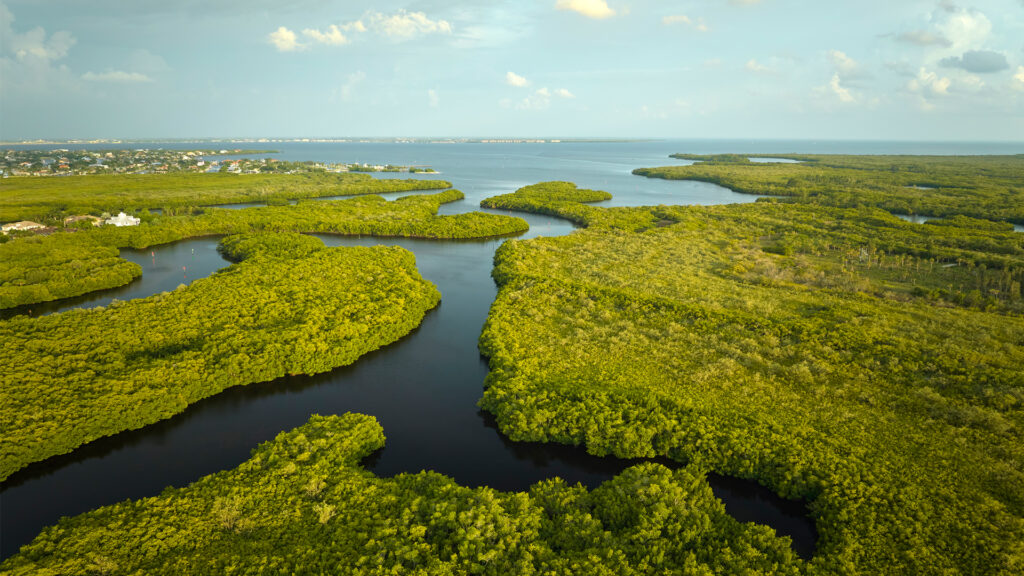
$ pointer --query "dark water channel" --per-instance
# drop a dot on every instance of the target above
(423, 390)
(164, 268)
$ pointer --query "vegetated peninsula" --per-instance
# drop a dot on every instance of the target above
(290, 306)
(303, 505)
(43, 268)
(989, 187)
(868, 365)
(49, 200)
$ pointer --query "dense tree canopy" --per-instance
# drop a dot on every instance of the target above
(49, 199)
(814, 343)
(42, 268)
(990, 187)
(302, 505)
(866, 364)
(72, 377)
(70, 264)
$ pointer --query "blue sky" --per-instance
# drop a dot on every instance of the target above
(870, 69)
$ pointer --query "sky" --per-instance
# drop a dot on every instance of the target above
(773, 69)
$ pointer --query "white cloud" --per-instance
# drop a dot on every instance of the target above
(842, 93)
(928, 85)
(405, 25)
(697, 24)
(539, 99)
(33, 44)
(433, 98)
(29, 65)
(927, 81)
(332, 36)
(401, 25)
(117, 76)
(1019, 78)
(513, 79)
(755, 66)
(843, 63)
(966, 29)
(590, 8)
(285, 40)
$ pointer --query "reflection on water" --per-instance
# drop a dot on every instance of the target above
(164, 268)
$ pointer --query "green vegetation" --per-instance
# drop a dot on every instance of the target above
(282, 245)
(50, 199)
(302, 505)
(42, 268)
(73, 377)
(545, 198)
(26, 277)
(987, 187)
(840, 355)
(717, 158)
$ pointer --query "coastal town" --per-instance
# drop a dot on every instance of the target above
(71, 162)
(70, 223)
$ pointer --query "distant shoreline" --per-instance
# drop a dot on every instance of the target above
(494, 140)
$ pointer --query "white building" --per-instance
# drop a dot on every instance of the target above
(123, 219)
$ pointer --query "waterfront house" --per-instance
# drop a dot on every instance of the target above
(19, 226)
(123, 219)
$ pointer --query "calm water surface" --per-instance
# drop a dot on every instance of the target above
(164, 268)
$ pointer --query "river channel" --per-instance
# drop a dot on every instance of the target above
(423, 389)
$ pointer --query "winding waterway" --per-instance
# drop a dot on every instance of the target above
(423, 390)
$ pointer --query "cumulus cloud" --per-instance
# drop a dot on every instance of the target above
(1019, 78)
(285, 40)
(931, 81)
(29, 62)
(977, 61)
(333, 36)
(598, 9)
(401, 25)
(34, 44)
(513, 79)
(927, 85)
(405, 25)
(923, 38)
(117, 76)
(965, 29)
(841, 92)
(843, 63)
(673, 19)
(539, 99)
(756, 67)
